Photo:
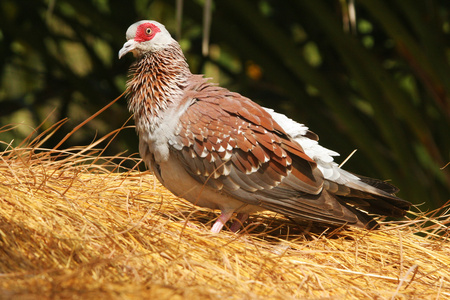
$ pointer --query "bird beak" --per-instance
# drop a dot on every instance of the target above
(129, 46)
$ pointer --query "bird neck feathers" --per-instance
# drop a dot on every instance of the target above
(158, 81)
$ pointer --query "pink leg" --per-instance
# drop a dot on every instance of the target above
(241, 217)
(223, 218)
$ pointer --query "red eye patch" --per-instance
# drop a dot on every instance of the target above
(145, 32)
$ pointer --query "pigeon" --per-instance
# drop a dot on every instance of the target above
(220, 150)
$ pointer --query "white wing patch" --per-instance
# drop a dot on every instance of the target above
(321, 155)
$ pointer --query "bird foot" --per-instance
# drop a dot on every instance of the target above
(221, 220)
(224, 217)
(240, 219)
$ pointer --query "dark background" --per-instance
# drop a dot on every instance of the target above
(379, 83)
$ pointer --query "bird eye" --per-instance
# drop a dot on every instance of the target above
(148, 31)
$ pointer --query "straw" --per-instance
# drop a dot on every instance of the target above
(77, 224)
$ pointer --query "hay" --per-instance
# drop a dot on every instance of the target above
(73, 226)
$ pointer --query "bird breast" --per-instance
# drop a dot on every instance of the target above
(155, 137)
(174, 177)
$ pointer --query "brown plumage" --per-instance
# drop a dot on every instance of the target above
(220, 150)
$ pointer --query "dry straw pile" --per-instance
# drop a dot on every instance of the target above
(74, 224)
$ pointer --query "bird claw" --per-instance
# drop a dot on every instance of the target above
(240, 219)
(224, 217)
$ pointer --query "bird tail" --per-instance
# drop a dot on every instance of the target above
(374, 197)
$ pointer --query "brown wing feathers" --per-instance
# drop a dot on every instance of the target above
(232, 144)
(225, 122)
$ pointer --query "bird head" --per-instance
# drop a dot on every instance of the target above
(144, 37)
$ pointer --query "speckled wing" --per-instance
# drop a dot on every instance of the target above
(227, 142)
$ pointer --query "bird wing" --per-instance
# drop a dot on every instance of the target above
(233, 145)
(368, 194)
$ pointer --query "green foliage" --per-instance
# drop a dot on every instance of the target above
(379, 83)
